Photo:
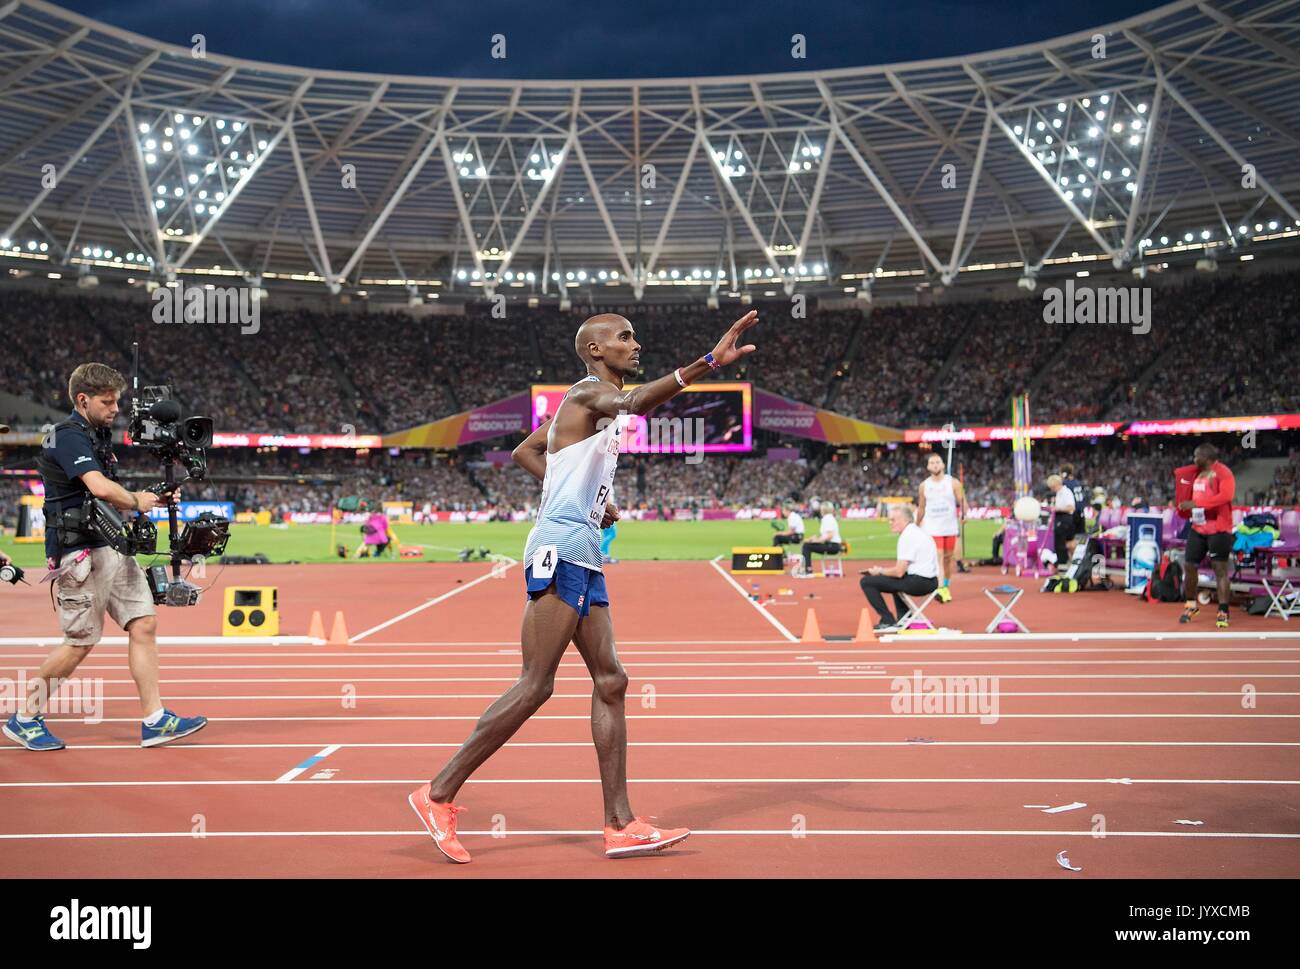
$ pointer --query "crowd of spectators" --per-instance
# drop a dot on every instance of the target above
(1221, 344)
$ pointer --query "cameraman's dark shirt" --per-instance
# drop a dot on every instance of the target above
(71, 456)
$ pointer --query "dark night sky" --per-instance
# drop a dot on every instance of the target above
(572, 38)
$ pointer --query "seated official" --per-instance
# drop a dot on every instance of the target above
(828, 542)
(793, 534)
(916, 572)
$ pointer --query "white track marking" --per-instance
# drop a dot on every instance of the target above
(659, 694)
(909, 665)
(809, 652)
(747, 716)
(307, 765)
(492, 574)
(778, 832)
(956, 634)
(384, 782)
(174, 641)
(729, 677)
(586, 744)
(791, 637)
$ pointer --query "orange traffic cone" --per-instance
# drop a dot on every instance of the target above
(812, 632)
(339, 633)
(317, 628)
(866, 627)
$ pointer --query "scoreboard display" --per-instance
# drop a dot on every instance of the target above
(757, 561)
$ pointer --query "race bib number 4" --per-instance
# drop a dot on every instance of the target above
(544, 560)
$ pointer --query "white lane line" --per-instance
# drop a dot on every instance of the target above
(586, 744)
(173, 641)
(306, 765)
(775, 832)
(575, 664)
(791, 637)
(1009, 638)
(809, 652)
(494, 573)
(727, 677)
(748, 716)
(680, 696)
(957, 634)
(378, 782)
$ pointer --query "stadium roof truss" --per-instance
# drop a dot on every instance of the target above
(118, 152)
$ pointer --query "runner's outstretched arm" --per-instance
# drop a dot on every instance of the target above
(609, 401)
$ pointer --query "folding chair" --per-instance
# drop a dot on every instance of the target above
(1281, 602)
(833, 565)
(916, 613)
(1004, 608)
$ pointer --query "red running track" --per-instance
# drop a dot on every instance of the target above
(787, 758)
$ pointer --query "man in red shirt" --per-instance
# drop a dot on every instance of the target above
(1204, 493)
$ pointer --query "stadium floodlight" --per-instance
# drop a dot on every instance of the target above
(1188, 237)
(1206, 264)
(1060, 106)
(1272, 226)
(1094, 131)
(1019, 130)
(144, 128)
(1026, 282)
(1134, 140)
(1205, 233)
(1142, 108)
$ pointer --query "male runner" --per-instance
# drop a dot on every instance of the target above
(1204, 493)
(574, 454)
(936, 512)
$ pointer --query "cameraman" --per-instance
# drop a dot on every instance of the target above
(90, 577)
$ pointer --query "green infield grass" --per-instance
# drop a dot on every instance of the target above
(442, 541)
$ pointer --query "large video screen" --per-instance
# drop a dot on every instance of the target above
(708, 418)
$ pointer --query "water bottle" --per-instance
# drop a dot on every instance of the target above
(1145, 553)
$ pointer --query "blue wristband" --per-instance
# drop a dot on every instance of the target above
(713, 365)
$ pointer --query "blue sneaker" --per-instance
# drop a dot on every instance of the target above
(169, 728)
(33, 735)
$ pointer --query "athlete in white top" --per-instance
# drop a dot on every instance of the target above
(937, 503)
(574, 454)
(828, 542)
(793, 533)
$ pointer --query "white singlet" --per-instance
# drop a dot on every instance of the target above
(940, 506)
(579, 481)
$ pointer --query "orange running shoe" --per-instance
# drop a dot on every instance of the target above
(640, 838)
(440, 820)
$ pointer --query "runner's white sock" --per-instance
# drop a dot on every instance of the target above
(153, 718)
(23, 718)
